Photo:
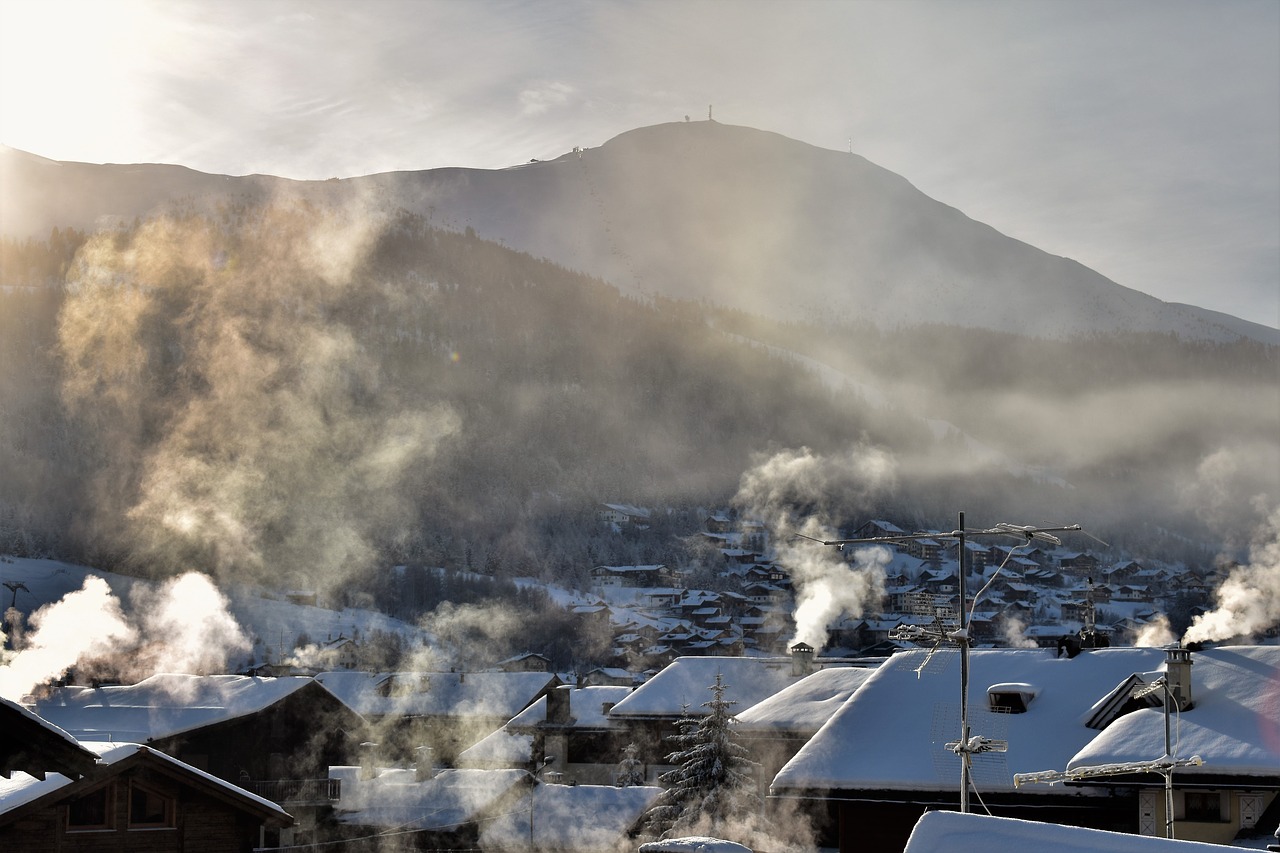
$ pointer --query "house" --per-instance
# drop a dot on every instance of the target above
(446, 711)
(569, 727)
(527, 662)
(32, 745)
(427, 810)
(952, 832)
(634, 576)
(133, 800)
(775, 728)
(651, 712)
(1231, 720)
(238, 728)
(551, 817)
(623, 516)
(883, 754)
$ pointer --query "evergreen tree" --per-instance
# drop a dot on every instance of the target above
(711, 788)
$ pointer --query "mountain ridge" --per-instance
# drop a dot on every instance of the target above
(746, 218)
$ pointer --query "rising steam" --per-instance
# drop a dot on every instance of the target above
(238, 424)
(182, 626)
(1248, 601)
(791, 482)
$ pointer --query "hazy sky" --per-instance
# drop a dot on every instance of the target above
(1139, 138)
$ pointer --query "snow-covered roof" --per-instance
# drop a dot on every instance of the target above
(588, 818)
(1234, 724)
(693, 844)
(804, 706)
(890, 734)
(686, 682)
(22, 788)
(503, 748)
(162, 705)
(433, 694)
(952, 832)
(395, 798)
(586, 706)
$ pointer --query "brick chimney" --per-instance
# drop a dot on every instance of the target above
(1177, 672)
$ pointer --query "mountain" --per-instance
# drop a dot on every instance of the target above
(737, 217)
(455, 367)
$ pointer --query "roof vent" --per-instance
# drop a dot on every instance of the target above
(1011, 697)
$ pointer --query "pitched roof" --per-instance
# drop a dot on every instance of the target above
(162, 705)
(686, 682)
(952, 832)
(890, 734)
(560, 817)
(24, 789)
(33, 745)
(438, 694)
(804, 706)
(1234, 724)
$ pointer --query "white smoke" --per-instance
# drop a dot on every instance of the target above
(1155, 634)
(183, 626)
(1248, 601)
(84, 623)
(795, 482)
(1015, 634)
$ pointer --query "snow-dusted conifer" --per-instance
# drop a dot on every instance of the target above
(711, 786)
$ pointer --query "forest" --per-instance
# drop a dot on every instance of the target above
(284, 392)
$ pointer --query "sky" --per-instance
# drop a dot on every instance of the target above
(1138, 137)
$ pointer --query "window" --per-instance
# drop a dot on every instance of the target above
(90, 811)
(1203, 807)
(148, 808)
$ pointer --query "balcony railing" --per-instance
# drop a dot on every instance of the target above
(297, 791)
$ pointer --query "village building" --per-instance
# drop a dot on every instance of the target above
(134, 799)
(444, 711)
(871, 771)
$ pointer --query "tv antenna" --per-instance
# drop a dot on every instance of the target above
(957, 632)
(1163, 766)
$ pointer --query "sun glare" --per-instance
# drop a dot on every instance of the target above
(66, 68)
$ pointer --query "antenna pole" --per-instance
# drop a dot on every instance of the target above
(962, 639)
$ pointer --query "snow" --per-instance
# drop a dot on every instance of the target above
(162, 705)
(503, 748)
(890, 734)
(694, 844)
(588, 818)
(804, 706)
(952, 832)
(686, 682)
(1234, 724)
(586, 707)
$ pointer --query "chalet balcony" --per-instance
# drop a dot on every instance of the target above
(297, 792)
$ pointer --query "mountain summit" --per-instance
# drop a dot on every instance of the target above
(704, 211)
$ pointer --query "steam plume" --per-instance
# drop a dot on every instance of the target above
(823, 487)
(182, 626)
(238, 424)
(1248, 601)
(1155, 634)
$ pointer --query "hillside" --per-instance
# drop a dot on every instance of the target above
(742, 218)
(264, 378)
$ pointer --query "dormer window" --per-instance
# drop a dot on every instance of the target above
(1011, 698)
